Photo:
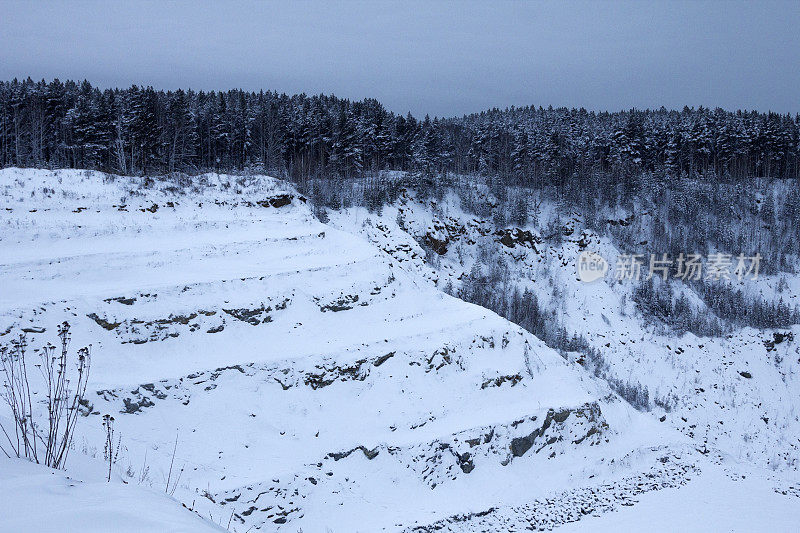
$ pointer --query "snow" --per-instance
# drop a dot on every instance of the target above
(711, 502)
(317, 378)
(36, 498)
(751, 419)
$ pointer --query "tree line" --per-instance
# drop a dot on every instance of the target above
(140, 130)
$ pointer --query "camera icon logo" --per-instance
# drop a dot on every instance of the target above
(591, 267)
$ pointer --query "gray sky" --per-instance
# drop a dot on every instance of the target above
(437, 58)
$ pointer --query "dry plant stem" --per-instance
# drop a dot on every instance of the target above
(61, 401)
(172, 461)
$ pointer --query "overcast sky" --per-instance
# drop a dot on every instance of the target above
(438, 58)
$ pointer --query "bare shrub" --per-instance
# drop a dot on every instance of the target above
(110, 455)
(46, 442)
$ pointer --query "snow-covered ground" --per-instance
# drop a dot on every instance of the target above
(316, 377)
(36, 498)
(712, 502)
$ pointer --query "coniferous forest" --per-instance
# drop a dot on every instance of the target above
(141, 130)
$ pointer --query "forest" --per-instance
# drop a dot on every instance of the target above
(141, 130)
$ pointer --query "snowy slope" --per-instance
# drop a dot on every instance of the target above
(737, 393)
(312, 377)
(712, 502)
(36, 498)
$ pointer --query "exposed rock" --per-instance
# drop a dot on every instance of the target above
(382, 359)
(136, 407)
(513, 237)
(498, 381)
(253, 317)
(541, 437)
(103, 323)
(777, 338)
(437, 245)
(369, 454)
(279, 200)
(122, 300)
(343, 303)
(332, 373)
